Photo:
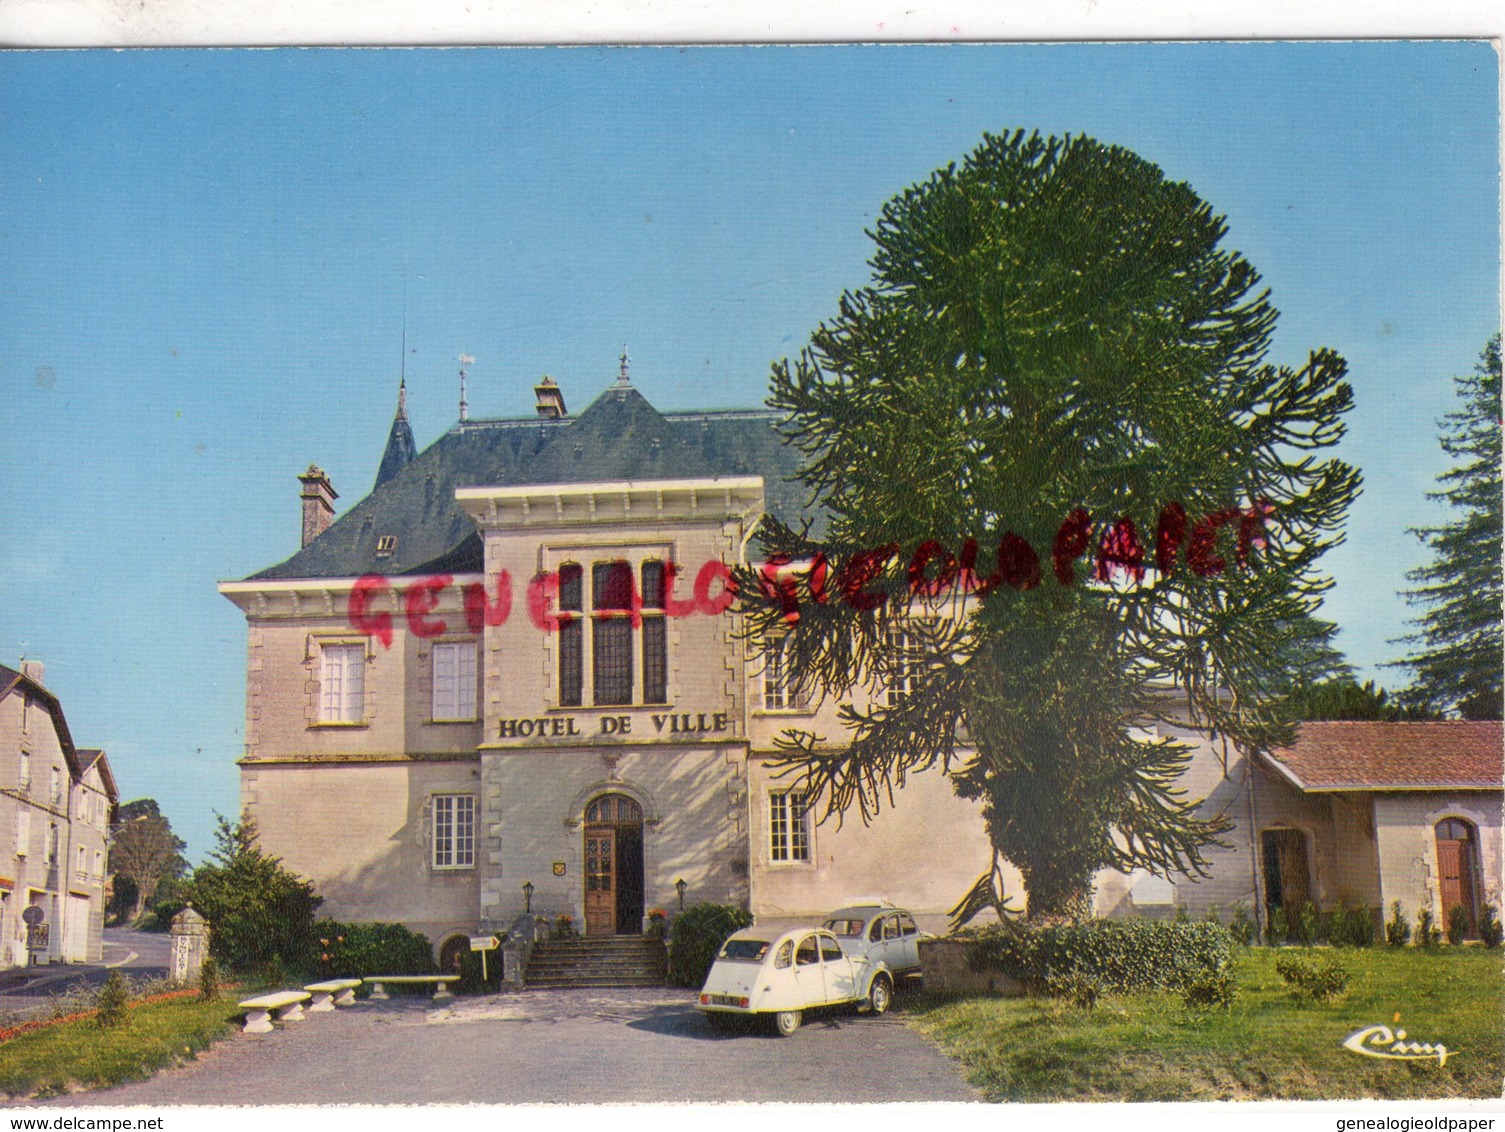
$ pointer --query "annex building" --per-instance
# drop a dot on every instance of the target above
(504, 680)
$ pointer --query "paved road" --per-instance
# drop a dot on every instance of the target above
(637, 1045)
(28, 992)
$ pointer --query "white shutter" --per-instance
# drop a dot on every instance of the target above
(445, 682)
(465, 681)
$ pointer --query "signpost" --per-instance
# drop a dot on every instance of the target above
(483, 944)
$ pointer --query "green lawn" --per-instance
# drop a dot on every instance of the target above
(81, 1055)
(1272, 1044)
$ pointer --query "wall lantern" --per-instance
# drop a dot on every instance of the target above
(528, 895)
(680, 887)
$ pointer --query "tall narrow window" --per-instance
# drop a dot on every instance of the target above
(455, 680)
(655, 636)
(25, 769)
(55, 794)
(342, 683)
(789, 831)
(778, 692)
(52, 844)
(611, 632)
(454, 831)
(23, 831)
(571, 631)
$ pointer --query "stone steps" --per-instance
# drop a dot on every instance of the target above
(605, 961)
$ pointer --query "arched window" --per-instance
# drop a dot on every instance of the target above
(1458, 870)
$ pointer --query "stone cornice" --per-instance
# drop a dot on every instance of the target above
(329, 597)
(635, 502)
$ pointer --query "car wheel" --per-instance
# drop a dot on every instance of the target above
(880, 996)
(785, 1022)
(721, 1023)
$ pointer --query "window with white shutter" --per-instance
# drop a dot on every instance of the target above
(454, 831)
(342, 683)
(454, 680)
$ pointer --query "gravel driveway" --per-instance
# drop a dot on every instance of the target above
(542, 1046)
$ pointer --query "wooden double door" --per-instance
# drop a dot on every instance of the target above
(613, 866)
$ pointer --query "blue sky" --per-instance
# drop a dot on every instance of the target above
(207, 255)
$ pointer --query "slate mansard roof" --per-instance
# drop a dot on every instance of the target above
(619, 437)
(1459, 755)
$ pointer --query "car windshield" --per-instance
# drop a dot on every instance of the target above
(745, 950)
(850, 929)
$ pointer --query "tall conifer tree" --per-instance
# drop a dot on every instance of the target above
(1056, 359)
(1459, 664)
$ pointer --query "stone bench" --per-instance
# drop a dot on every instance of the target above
(441, 988)
(287, 1004)
(332, 993)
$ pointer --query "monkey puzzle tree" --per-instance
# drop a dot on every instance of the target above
(1056, 359)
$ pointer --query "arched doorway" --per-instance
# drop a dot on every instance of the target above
(613, 866)
(1457, 870)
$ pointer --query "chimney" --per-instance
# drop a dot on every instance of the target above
(34, 670)
(318, 502)
(550, 399)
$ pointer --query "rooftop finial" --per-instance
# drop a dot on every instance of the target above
(622, 379)
(402, 398)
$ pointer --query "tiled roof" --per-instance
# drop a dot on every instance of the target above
(619, 437)
(1395, 756)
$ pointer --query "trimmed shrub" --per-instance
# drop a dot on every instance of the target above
(1306, 923)
(1276, 929)
(1458, 925)
(470, 972)
(209, 978)
(696, 936)
(1428, 934)
(1214, 990)
(1490, 930)
(113, 1002)
(353, 951)
(1398, 928)
(1242, 927)
(1351, 927)
(1321, 979)
(1119, 955)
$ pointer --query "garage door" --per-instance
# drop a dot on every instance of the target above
(76, 936)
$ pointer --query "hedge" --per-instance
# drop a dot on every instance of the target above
(359, 950)
(696, 936)
(1120, 955)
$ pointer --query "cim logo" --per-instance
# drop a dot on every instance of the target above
(1391, 1045)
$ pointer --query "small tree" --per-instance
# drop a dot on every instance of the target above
(257, 910)
(1398, 928)
(144, 852)
(113, 1002)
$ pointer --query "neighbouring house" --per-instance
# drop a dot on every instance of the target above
(502, 682)
(56, 803)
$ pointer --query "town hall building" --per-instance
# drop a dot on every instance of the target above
(505, 680)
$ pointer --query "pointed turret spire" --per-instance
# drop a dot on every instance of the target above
(400, 447)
